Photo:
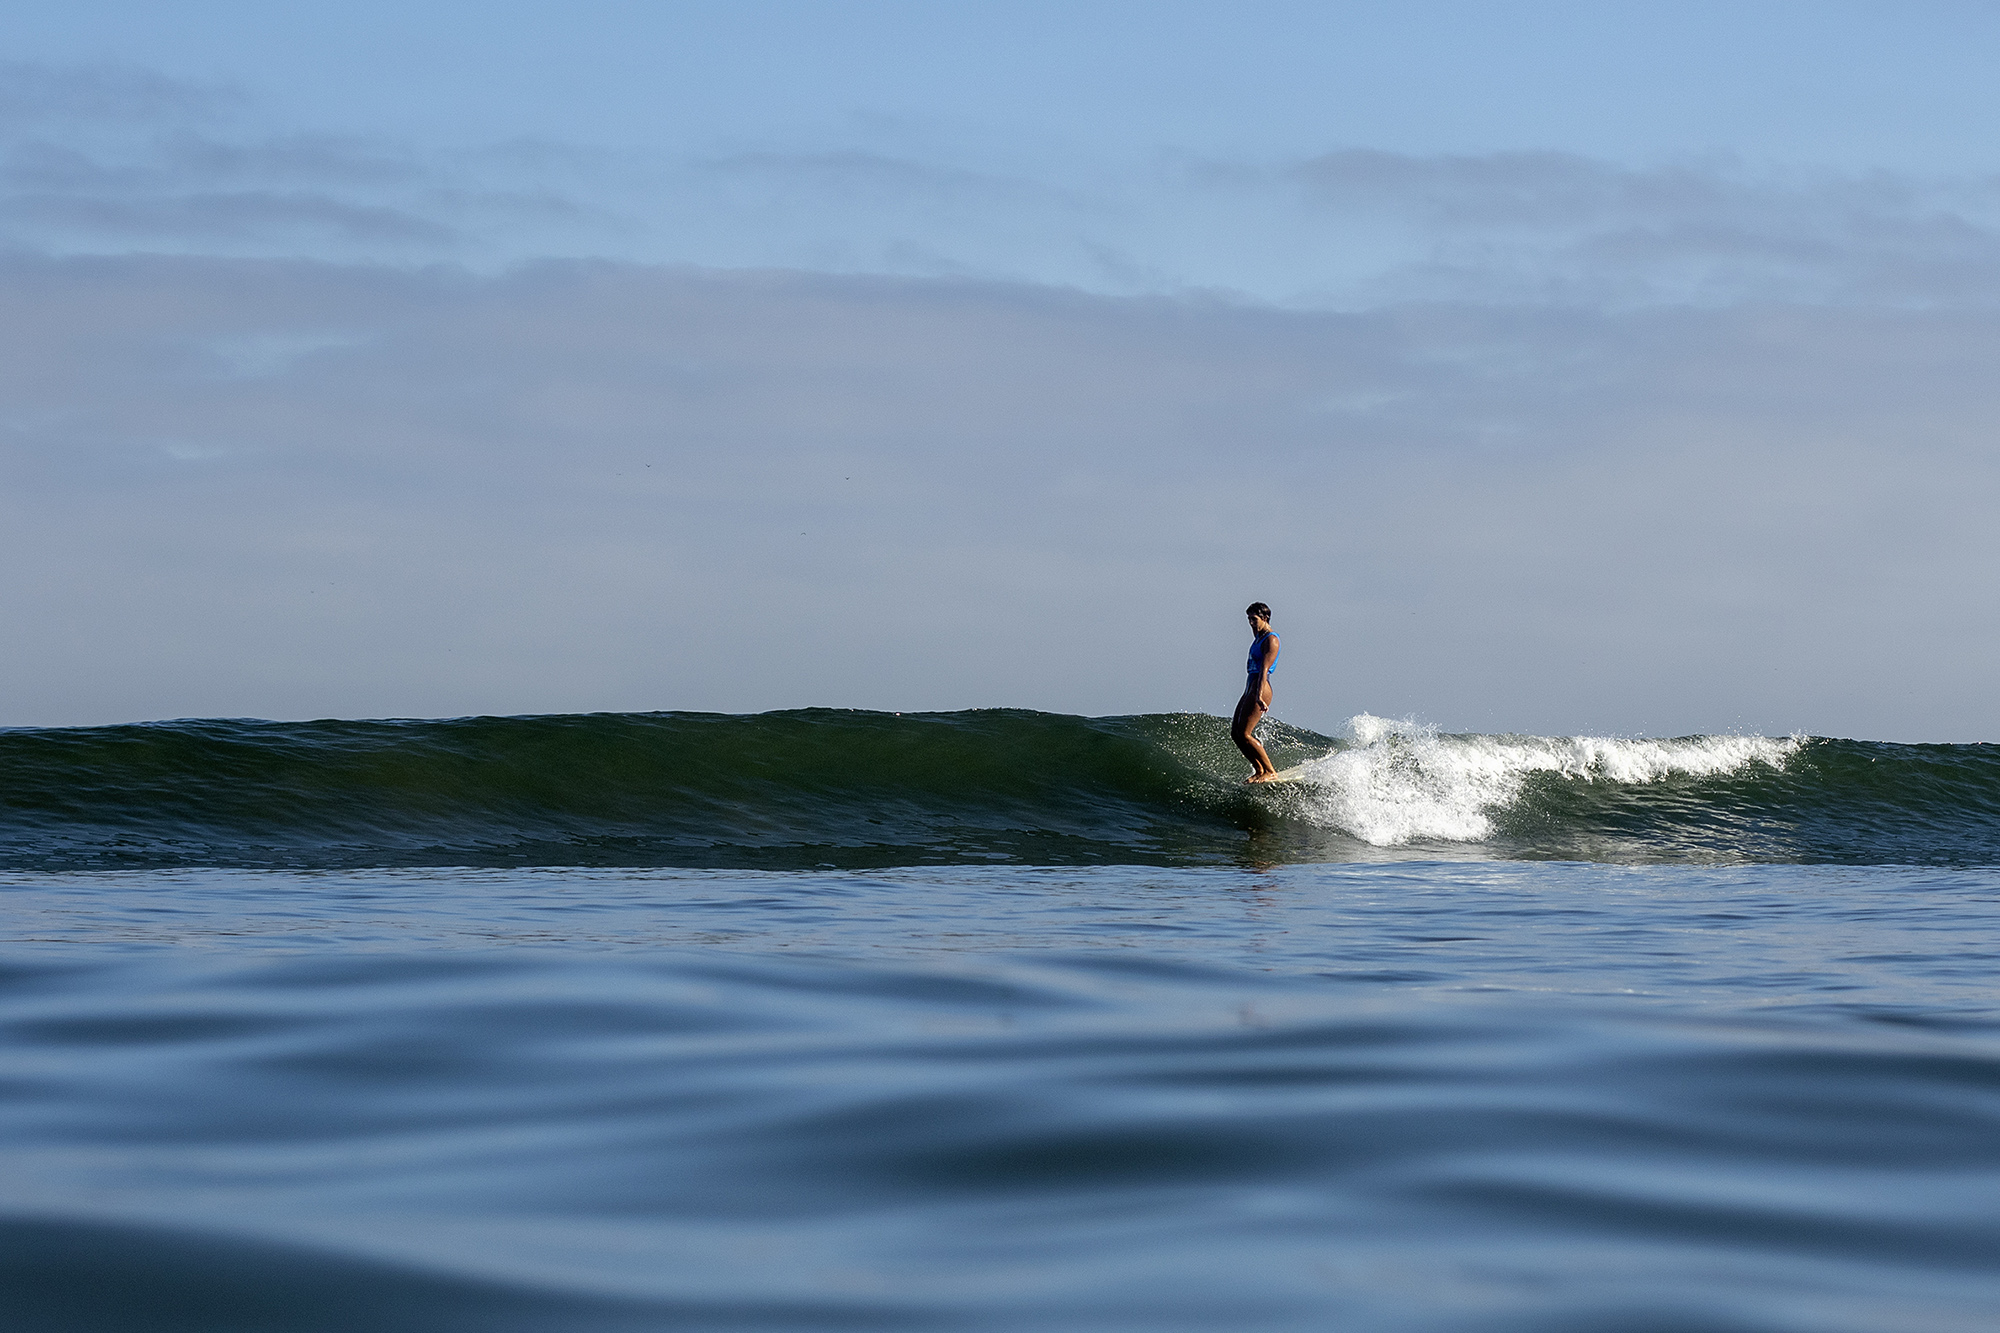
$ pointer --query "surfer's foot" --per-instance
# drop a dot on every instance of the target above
(1262, 777)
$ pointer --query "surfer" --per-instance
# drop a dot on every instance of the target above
(1256, 700)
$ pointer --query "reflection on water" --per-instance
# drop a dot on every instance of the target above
(1475, 1096)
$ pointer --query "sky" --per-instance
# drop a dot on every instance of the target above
(1549, 368)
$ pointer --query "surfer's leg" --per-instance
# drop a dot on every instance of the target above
(1255, 749)
(1249, 712)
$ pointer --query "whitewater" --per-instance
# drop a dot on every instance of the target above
(1401, 782)
(993, 1020)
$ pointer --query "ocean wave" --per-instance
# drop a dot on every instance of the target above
(852, 789)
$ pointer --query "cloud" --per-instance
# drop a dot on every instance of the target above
(317, 158)
(108, 159)
(1558, 226)
(875, 175)
(100, 159)
(36, 94)
(232, 215)
(1356, 228)
(1514, 189)
(308, 488)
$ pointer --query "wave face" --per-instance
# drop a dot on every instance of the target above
(846, 789)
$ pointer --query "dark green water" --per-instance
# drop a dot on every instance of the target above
(819, 788)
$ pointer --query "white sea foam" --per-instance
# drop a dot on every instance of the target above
(1401, 782)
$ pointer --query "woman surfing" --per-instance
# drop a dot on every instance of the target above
(1256, 700)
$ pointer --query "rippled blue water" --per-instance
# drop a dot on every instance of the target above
(1437, 1096)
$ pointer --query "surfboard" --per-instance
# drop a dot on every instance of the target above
(1285, 775)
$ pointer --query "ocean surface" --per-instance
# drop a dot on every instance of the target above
(993, 1020)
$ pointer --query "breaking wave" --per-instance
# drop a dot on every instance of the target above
(1402, 782)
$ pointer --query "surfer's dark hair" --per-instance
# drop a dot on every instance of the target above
(1259, 610)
